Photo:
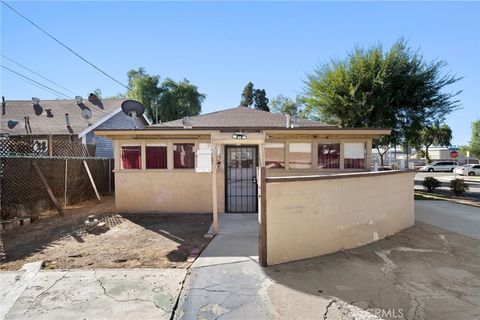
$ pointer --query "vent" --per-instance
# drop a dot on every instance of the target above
(187, 122)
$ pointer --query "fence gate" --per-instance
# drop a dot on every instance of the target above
(241, 179)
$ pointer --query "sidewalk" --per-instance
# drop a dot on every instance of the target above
(226, 282)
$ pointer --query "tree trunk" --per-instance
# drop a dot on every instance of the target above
(426, 154)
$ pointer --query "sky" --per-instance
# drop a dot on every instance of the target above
(221, 46)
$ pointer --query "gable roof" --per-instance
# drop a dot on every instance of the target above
(240, 117)
(56, 125)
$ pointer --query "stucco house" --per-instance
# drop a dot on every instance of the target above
(43, 121)
(162, 167)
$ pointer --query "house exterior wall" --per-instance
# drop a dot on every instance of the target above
(307, 218)
(184, 190)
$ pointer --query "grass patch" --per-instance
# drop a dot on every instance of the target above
(421, 196)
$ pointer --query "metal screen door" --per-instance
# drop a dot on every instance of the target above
(241, 179)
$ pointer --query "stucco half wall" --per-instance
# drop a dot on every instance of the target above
(167, 191)
(312, 216)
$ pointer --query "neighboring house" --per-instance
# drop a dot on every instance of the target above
(166, 167)
(44, 121)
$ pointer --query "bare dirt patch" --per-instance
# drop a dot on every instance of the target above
(136, 240)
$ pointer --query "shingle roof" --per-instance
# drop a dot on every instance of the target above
(240, 117)
(56, 125)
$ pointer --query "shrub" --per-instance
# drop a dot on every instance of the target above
(458, 186)
(430, 183)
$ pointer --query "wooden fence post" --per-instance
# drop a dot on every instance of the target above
(45, 184)
(66, 183)
(262, 218)
(91, 180)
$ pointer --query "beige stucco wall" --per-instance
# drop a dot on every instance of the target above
(311, 218)
(165, 191)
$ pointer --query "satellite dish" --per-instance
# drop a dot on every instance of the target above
(12, 123)
(35, 101)
(133, 109)
(78, 99)
(86, 114)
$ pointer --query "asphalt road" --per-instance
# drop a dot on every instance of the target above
(444, 178)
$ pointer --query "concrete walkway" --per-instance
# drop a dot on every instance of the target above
(90, 294)
(226, 282)
(455, 217)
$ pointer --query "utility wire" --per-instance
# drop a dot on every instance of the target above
(49, 89)
(36, 73)
(64, 45)
(40, 84)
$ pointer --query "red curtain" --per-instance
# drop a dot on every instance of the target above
(131, 157)
(156, 157)
(354, 163)
(183, 156)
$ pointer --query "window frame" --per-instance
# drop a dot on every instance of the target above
(157, 144)
(312, 151)
(317, 142)
(365, 159)
(195, 149)
(131, 144)
(285, 151)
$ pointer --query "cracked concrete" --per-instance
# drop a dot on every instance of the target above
(226, 282)
(98, 294)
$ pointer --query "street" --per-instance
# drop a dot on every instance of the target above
(445, 177)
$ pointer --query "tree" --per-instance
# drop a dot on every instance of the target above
(474, 145)
(436, 134)
(167, 101)
(396, 89)
(261, 100)
(144, 88)
(179, 99)
(247, 95)
(287, 106)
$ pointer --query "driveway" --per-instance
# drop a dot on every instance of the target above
(226, 282)
(459, 218)
(423, 272)
(89, 294)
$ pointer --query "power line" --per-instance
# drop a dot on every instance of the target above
(36, 73)
(40, 84)
(64, 45)
(48, 89)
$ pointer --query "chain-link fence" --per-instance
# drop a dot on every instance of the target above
(31, 146)
(22, 193)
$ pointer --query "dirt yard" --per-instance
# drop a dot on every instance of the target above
(128, 240)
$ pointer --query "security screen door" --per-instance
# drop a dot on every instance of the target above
(241, 179)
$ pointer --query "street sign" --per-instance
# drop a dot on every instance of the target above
(453, 154)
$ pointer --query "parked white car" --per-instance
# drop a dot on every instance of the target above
(440, 166)
(468, 170)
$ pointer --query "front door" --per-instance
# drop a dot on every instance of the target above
(241, 179)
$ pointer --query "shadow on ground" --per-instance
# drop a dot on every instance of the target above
(420, 273)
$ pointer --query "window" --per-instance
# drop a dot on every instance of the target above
(183, 156)
(156, 156)
(300, 155)
(354, 155)
(275, 155)
(131, 157)
(329, 155)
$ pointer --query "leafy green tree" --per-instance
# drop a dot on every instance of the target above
(395, 89)
(144, 88)
(288, 106)
(474, 145)
(164, 101)
(440, 135)
(261, 100)
(247, 95)
(179, 99)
